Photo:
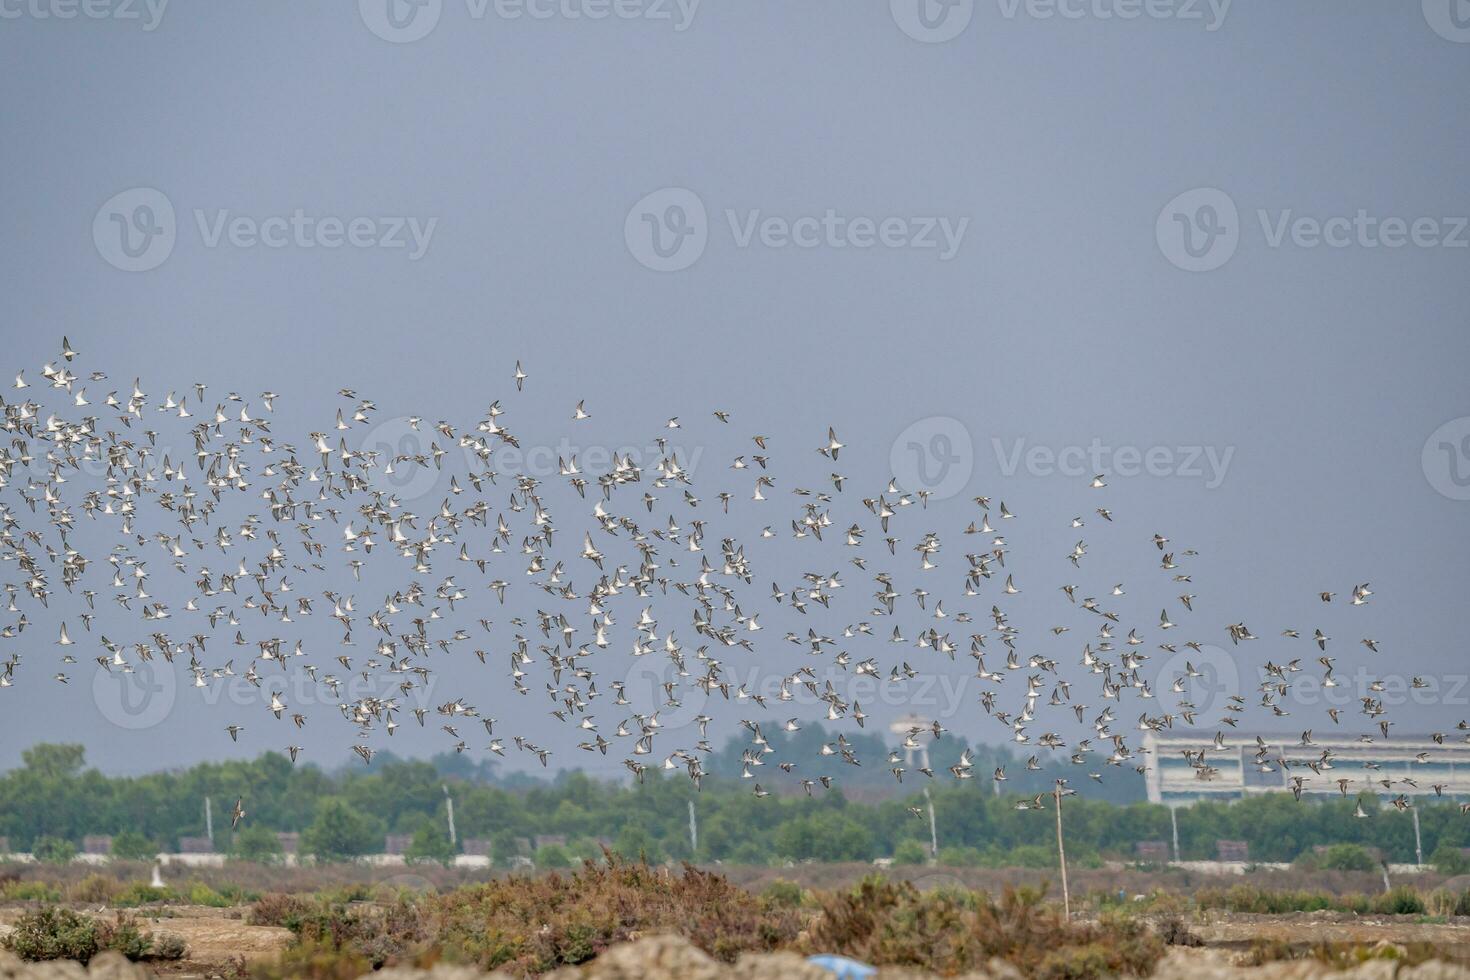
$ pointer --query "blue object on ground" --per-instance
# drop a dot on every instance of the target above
(842, 967)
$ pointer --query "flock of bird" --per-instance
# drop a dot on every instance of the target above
(237, 589)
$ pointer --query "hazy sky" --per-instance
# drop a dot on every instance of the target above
(1064, 240)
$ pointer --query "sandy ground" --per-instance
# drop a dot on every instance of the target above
(217, 936)
(214, 936)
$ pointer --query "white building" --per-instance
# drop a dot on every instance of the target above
(1186, 766)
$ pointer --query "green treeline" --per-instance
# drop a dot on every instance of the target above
(53, 799)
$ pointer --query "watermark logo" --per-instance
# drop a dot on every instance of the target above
(1211, 13)
(1199, 230)
(135, 230)
(406, 21)
(1446, 459)
(136, 699)
(935, 455)
(667, 230)
(1205, 678)
(149, 13)
(1450, 19)
(406, 465)
(650, 685)
(932, 21)
(401, 21)
(1206, 463)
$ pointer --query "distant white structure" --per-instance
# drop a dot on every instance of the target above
(915, 749)
(1237, 768)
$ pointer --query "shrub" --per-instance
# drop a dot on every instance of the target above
(286, 911)
(782, 894)
(168, 946)
(1401, 901)
(53, 934)
(532, 925)
(124, 936)
(30, 891)
(140, 893)
(95, 889)
(201, 894)
(889, 923)
(311, 961)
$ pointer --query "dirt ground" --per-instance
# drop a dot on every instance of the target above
(215, 937)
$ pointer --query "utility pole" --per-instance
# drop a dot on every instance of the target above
(693, 832)
(1062, 854)
(209, 821)
(1174, 822)
(933, 831)
(449, 806)
(1418, 841)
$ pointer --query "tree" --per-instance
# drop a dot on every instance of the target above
(1450, 860)
(53, 850)
(54, 761)
(339, 833)
(257, 845)
(910, 852)
(430, 843)
(553, 856)
(133, 846)
(1348, 857)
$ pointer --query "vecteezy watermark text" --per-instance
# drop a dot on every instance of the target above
(148, 13)
(1200, 230)
(405, 21)
(1207, 463)
(669, 229)
(137, 230)
(936, 21)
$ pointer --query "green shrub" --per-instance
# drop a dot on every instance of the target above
(30, 891)
(782, 894)
(1400, 901)
(140, 893)
(168, 946)
(53, 934)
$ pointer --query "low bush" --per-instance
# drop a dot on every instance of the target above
(140, 893)
(286, 911)
(30, 891)
(889, 923)
(54, 934)
(537, 924)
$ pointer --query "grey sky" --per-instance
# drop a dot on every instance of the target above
(1313, 374)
